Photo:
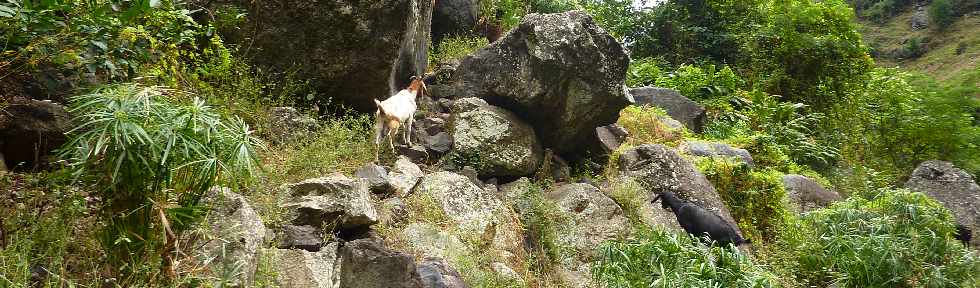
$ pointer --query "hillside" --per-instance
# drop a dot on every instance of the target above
(484, 144)
(945, 54)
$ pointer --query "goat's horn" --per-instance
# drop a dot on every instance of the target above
(655, 199)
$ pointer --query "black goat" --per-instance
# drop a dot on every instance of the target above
(699, 222)
(963, 234)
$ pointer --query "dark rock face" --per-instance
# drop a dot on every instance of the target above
(304, 237)
(29, 131)
(920, 18)
(954, 188)
(677, 106)
(454, 17)
(713, 149)
(808, 194)
(660, 169)
(349, 50)
(367, 263)
(560, 73)
(436, 273)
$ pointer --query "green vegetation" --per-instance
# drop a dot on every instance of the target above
(167, 110)
(659, 258)
(895, 239)
(756, 199)
(154, 159)
(455, 48)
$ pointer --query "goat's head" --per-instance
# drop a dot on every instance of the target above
(668, 198)
(418, 86)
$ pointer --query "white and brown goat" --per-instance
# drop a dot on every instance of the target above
(395, 111)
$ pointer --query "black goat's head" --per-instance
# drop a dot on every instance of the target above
(668, 199)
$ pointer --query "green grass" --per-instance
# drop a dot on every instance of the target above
(659, 258)
(897, 239)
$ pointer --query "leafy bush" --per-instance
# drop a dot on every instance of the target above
(700, 83)
(756, 199)
(941, 13)
(153, 158)
(891, 124)
(897, 239)
(658, 258)
(102, 37)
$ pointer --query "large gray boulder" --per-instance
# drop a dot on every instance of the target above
(677, 106)
(335, 200)
(714, 149)
(305, 269)
(806, 194)
(352, 51)
(561, 73)
(472, 213)
(367, 263)
(954, 188)
(234, 237)
(493, 140)
(404, 175)
(658, 169)
(29, 131)
(594, 218)
(454, 17)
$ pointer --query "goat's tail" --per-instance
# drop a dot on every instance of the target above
(381, 108)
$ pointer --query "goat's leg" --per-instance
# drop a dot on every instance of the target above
(408, 132)
(391, 138)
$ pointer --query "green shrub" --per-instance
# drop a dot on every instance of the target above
(658, 258)
(153, 159)
(942, 13)
(897, 239)
(756, 199)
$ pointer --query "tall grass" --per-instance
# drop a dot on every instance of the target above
(660, 258)
(897, 239)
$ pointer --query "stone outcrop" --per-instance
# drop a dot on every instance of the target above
(677, 106)
(305, 269)
(352, 51)
(493, 140)
(367, 263)
(286, 123)
(454, 17)
(954, 188)
(714, 149)
(560, 73)
(236, 235)
(29, 131)
(594, 218)
(335, 200)
(807, 194)
(658, 168)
